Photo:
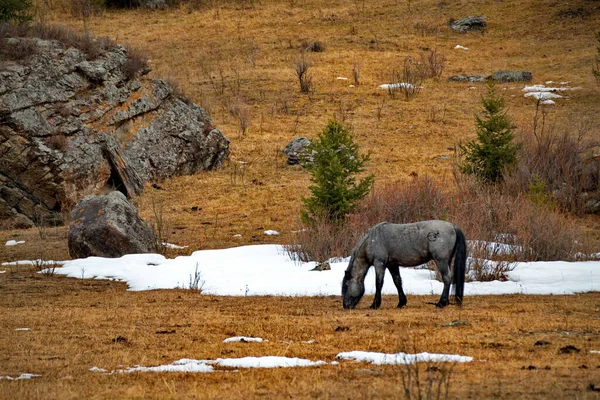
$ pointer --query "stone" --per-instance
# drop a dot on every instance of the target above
(73, 123)
(467, 78)
(294, 149)
(471, 23)
(512, 76)
(108, 226)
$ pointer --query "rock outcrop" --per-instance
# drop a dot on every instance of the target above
(75, 122)
(471, 23)
(295, 149)
(108, 226)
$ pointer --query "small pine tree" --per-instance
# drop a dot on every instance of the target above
(18, 11)
(334, 163)
(494, 151)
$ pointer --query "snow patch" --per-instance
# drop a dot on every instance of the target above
(459, 47)
(173, 246)
(271, 233)
(244, 339)
(14, 242)
(400, 358)
(20, 377)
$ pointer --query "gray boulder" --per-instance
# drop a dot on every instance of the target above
(512, 76)
(467, 78)
(108, 226)
(294, 150)
(72, 124)
(471, 23)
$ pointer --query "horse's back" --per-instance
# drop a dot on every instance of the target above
(415, 243)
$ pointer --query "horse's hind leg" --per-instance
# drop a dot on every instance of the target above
(444, 269)
(379, 274)
(395, 271)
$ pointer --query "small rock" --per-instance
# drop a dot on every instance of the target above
(322, 267)
(457, 322)
(467, 78)
(569, 350)
(542, 343)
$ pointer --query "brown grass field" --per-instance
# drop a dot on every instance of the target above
(228, 55)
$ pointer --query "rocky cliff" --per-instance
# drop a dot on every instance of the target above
(78, 120)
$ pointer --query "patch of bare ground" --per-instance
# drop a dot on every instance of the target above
(524, 346)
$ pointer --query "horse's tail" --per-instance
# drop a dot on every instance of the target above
(460, 264)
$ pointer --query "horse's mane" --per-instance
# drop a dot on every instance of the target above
(372, 231)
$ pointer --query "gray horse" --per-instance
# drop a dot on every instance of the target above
(390, 246)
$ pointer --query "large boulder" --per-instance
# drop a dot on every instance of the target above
(512, 76)
(471, 23)
(76, 122)
(294, 150)
(108, 226)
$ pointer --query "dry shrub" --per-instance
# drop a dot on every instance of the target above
(302, 66)
(556, 166)
(136, 62)
(433, 64)
(403, 202)
(408, 80)
(314, 47)
(501, 229)
(324, 240)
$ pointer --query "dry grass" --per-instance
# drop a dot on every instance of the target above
(74, 325)
(242, 52)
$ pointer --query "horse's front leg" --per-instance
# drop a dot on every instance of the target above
(379, 274)
(395, 272)
(444, 269)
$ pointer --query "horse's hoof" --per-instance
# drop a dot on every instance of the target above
(374, 307)
(441, 305)
(402, 304)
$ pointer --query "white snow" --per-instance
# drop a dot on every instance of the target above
(96, 369)
(459, 47)
(543, 95)
(2, 272)
(23, 329)
(33, 262)
(174, 246)
(398, 86)
(191, 365)
(542, 92)
(400, 358)
(20, 377)
(263, 270)
(341, 78)
(243, 339)
(14, 242)
(271, 233)
(595, 351)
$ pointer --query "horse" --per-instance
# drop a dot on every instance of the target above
(390, 246)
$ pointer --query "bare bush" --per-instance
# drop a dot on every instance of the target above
(408, 80)
(433, 64)
(558, 162)
(302, 66)
(502, 229)
(160, 225)
(356, 68)
(314, 47)
(135, 63)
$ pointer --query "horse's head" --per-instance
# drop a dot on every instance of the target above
(352, 290)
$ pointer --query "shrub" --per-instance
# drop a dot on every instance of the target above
(18, 11)
(493, 152)
(335, 162)
(302, 66)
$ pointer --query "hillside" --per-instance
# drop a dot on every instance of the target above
(236, 59)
